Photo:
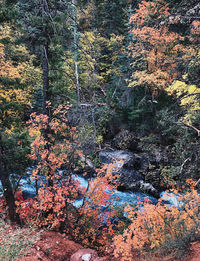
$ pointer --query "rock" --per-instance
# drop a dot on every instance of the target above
(143, 162)
(85, 254)
(108, 157)
(126, 168)
(148, 188)
(87, 162)
(86, 167)
(125, 140)
(86, 257)
(128, 178)
(129, 159)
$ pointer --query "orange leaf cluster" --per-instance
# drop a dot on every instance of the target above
(162, 50)
(155, 226)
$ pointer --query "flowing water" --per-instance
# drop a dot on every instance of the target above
(118, 198)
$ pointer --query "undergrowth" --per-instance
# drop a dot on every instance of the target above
(160, 228)
(14, 242)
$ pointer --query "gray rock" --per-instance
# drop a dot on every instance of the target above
(126, 166)
(86, 257)
(129, 177)
(127, 158)
(87, 162)
(147, 187)
(85, 254)
(86, 166)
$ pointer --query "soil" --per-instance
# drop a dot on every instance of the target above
(54, 246)
(194, 252)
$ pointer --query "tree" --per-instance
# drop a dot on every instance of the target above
(165, 64)
(46, 29)
(14, 103)
(158, 51)
(18, 78)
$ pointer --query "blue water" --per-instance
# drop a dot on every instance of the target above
(170, 198)
(117, 198)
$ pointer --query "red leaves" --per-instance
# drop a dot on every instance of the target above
(53, 148)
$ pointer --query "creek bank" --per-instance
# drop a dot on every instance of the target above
(138, 163)
(56, 246)
(128, 166)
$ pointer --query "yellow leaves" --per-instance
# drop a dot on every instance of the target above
(189, 96)
(14, 75)
(155, 79)
(34, 133)
(80, 154)
(6, 67)
(99, 139)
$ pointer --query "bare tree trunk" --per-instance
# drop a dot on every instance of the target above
(45, 60)
(77, 80)
(45, 69)
(75, 52)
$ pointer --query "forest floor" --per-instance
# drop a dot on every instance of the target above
(54, 246)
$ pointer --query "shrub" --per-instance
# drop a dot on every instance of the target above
(160, 227)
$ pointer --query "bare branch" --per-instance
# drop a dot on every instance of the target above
(191, 127)
(182, 166)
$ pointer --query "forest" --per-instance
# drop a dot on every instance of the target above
(100, 127)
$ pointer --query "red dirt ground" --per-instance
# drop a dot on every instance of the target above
(53, 246)
(195, 252)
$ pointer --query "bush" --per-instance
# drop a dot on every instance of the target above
(160, 227)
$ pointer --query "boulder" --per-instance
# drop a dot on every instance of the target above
(85, 254)
(148, 188)
(128, 178)
(126, 167)
(126, 158)
(85, 166)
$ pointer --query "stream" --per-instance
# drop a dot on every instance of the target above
(117, 198)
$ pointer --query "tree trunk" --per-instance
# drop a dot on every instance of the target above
(75, 51)
(45, 59)
(8, 192)
(45, 69)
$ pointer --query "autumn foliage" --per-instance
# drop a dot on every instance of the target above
(151, 226)
(158, 57)
(162, 50)
(160, 226)
(55, 151)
